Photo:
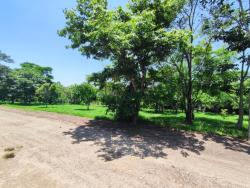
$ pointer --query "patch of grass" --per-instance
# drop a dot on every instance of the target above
(204, 122)
(9, 155)
(9, 149)
(95, 111)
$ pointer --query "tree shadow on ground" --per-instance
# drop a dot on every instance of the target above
(201, 124)
(211, 128)
(229, 143)
(117, 140)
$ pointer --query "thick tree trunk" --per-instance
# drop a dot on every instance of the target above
(241, 107)
(135, 119)
(135, 115)
(141, 88)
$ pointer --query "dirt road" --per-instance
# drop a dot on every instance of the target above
(57, 151)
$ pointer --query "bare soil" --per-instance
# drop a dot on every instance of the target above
(59, 151)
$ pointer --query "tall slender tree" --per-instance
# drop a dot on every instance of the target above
(189, 19)
(230, 22)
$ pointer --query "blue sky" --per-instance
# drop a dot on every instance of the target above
(29, 33)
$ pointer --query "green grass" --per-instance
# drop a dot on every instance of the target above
(204, 122)
(77, 110)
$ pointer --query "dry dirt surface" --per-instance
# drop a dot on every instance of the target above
(58, 151)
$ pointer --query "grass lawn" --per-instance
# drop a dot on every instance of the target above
(204, 122)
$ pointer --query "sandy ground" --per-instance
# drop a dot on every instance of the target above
(58, 151)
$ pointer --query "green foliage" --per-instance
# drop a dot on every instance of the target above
(162, 91)
(229, 22)
(5, 81)
(134, 39)
(74, 94)
(20, 84)
(84, 93)
(47, 93)
(224, 113)
(160, 60)
(62, 94)
(5, 58)
(87, 94)
(28, 78)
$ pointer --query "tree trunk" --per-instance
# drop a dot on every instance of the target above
(135, 119)
(135, 115)
(189, 110)
(241, 107)
(141, 88)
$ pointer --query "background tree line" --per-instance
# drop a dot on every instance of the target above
(32, 83)
(215, 87)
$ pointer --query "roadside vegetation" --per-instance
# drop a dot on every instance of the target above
(177, 63)
(211, 123)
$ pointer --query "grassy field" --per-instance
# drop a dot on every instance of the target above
(204, 122)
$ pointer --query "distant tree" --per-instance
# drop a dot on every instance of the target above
(47, 93)
(5, 82)
(62, 93)
(88, 94)
(162, 91)
(214, 76)
(5, 58)
(28, 78)
(74, 94)
(44, 93)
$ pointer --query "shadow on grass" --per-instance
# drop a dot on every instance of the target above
(84, 109)
(201, 124)
(104, 118)
(214, 130)
(117, 140)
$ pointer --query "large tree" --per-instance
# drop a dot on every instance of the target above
(229, 22)
(134, 39)
(27, 79)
